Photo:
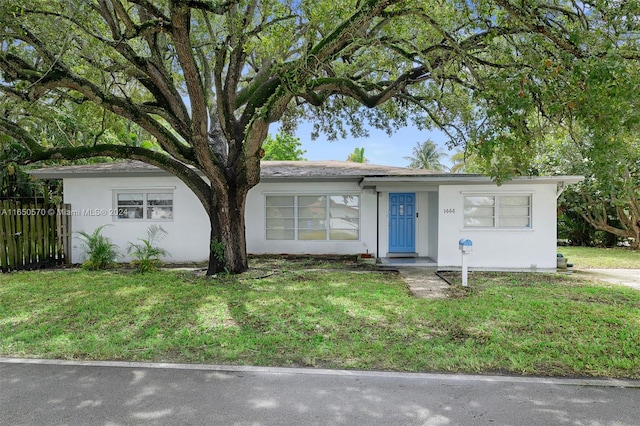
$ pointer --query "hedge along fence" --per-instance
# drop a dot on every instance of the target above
(34, 235)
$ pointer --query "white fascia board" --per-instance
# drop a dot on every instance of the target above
(44, 174)
(467, 179)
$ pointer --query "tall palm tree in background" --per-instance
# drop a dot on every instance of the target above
(426, 155)
(464, 162)
(357, 156)
(459, 162)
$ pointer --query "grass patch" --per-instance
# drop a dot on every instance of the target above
(532, 324)
(603, 258)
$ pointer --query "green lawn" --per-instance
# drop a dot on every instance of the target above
(538, 324)
(595, 257)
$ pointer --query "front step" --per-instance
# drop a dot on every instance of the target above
(402, 255)
(420, 262)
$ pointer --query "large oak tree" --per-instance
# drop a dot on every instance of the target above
(206, 78)
(609, 197)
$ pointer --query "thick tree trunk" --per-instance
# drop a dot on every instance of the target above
(635, 244)
(601, 224)
(228, 246)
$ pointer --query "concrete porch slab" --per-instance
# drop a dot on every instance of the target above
(407, 261)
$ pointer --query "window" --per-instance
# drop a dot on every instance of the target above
(141, 205)
(497, 211)
(313, 217)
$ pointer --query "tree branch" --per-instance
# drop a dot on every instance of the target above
(219, 8)
(10, 128)
(181, 19)
(536, 24)
(62, 78)
(185, 173)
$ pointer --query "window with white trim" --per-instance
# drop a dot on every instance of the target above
(144, 205)
(313, 217)
(497, 211)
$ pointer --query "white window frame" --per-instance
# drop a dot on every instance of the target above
(145, 206)
(327, 218)
(498, 204)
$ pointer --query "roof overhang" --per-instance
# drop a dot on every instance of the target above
(270, 170)
(368, 176)
(124, 169)
(457, 179)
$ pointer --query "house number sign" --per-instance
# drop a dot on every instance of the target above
(448, 211)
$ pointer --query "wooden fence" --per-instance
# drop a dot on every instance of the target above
(34, 235)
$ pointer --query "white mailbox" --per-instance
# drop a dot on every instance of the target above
(465, 246)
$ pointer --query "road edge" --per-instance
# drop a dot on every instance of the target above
(599, 382)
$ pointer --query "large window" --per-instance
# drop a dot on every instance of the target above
(497, 211)
(313, 217)
(141, 205)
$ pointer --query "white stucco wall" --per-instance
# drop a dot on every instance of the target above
(533, 248)
(432, 252)
(91, 201)
(438, 227)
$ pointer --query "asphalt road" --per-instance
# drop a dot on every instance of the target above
(68, 393)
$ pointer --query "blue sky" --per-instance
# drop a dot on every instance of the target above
(379, 148)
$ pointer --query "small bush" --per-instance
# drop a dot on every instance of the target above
(146, 253)
(100, 252)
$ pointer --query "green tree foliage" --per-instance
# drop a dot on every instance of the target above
(205, 79)
(608, 199)
(464, 162)
(459, 162)
(283, 147)
(357, 156)
(15, 182)
(426, 155)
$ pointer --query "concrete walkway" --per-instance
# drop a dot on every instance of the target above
(627, 277)
(423, 282)
(41, 392)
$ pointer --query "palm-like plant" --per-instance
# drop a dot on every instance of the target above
(426, 155)
(459, 162)
(146, 253)
(357, 156)
(100, 252)
(464, 162)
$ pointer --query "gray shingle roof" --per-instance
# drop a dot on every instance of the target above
(335, 169)
(293, 170)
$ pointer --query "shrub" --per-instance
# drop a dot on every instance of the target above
(100, 252)
(146, 253)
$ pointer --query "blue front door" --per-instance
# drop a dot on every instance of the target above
(402, 235)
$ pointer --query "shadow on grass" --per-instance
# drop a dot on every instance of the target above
(526, 324)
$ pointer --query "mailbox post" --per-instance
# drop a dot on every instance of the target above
(466, 247)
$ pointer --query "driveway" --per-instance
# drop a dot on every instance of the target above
(628, 277)
(424, 283)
